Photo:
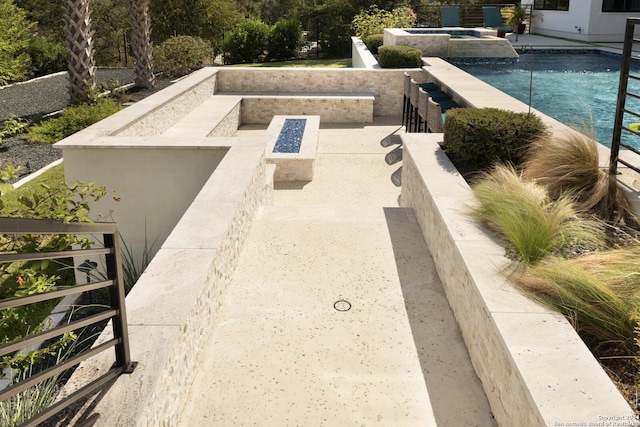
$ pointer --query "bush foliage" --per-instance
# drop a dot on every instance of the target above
(247, 42)
(71, 121)
(14, 41)
(392, 56)
(285, 40)
(374, 20)
(180, 55)
(46, 56)
(484, 136)
(373, 42)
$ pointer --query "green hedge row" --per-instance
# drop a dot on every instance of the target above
(391, 56)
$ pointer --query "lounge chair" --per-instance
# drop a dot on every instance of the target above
(450, 16)
(492, 17)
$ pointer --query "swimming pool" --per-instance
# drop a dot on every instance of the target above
(574, 88)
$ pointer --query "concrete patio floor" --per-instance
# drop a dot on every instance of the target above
(282, 354)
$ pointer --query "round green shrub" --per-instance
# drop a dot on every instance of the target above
(373, 42)
(391, 56)
(285, 40)
(46, 56)
(479, 137)
(247, 42)
(179, 55)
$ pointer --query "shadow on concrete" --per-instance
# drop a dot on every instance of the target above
(396, 177)
(394, 156)
(290, 185)
(456, 394)
(390, 140)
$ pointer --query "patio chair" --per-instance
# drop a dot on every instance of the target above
(406, 105)
(450, 16)
(435, 113)
(413, 122)
(492, 17)
(413, 108)
(423, 105)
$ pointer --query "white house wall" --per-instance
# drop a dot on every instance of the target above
(584, 21)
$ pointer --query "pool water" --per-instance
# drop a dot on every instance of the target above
(577, 89)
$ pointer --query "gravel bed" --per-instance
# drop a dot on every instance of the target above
(43, 96)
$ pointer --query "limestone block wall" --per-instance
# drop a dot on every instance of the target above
(533, 366)
(155, 115)
(430, 45)
(386, 85)
(486, 47)
(173, 307)
(356, 108)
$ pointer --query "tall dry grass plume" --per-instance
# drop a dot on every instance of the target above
(566, 163)
(523, 213)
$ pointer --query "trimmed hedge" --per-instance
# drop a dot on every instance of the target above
(480, 137)
(373, 42)
(391, 56)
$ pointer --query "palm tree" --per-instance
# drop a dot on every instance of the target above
(79, 38)
(141, 42)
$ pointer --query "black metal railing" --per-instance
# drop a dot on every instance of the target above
(114, 311)
(621, 104)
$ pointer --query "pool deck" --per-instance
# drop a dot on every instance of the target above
(542, 42)
(283, 355)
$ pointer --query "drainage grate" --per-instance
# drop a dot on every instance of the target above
(342, 305)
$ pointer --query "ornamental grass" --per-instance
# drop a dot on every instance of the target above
(523, 213)
(566, 164)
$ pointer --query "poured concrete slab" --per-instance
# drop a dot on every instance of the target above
(283, 352)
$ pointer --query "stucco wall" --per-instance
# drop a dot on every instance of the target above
(154, 186)
(586, 16)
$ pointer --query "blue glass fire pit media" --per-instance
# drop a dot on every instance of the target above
(290, 137)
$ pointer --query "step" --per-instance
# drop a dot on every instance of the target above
(217, 116)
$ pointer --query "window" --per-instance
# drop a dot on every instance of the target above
(621, 6)
(554, 4)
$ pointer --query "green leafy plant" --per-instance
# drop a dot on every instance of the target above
(72, 120)
(375, 20)
(373, 42)
(285, 40)
(13, 126)
(246, 42)
(523, 213)
(46, 56)
(62, 202)
(180, 55)
(391, 56)
(14, 28)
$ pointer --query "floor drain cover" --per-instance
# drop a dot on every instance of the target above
(342, 305)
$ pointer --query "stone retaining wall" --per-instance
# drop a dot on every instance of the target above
(386, 85)
(173, 307)
(533, 366)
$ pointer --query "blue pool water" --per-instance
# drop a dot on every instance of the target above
(574, 88)
(290, 137)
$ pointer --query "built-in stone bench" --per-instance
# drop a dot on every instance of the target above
(217, 116)
(293, 166)
(333, 107)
